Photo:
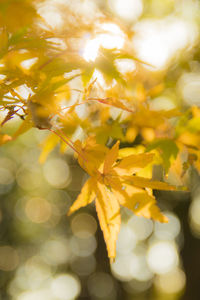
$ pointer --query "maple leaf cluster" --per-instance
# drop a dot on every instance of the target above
(114, 182)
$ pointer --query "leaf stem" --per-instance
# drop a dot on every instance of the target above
(69, 143)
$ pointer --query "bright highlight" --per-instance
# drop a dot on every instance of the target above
(110, 37)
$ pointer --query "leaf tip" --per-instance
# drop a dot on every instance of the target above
(164, 219)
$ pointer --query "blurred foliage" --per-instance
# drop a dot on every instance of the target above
(118, 83)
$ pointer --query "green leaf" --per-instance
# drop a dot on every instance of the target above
(17, 36)
(168, 150)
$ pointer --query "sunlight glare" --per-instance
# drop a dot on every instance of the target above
(28, 63)
(91, 50)
(157, 41)
(50, 13)
(109, 36)
(125, 65)
(189, 88)
(128, 10)
(98, 76)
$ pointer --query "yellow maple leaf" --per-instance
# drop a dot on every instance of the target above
(110, 187)
(86, 196)
(47, 146)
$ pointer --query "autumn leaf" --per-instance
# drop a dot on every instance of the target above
(109, 216)
(90, 154)
(86, 196)
(110, 158)
(147, 183)
(141, 203)
(112, 102)
(110, 187)
(133, 163)
(47, 146)
(145, 117)
(25, 126)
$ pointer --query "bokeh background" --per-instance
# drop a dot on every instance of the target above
(46, 255)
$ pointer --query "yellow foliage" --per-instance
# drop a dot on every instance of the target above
(110, 187)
